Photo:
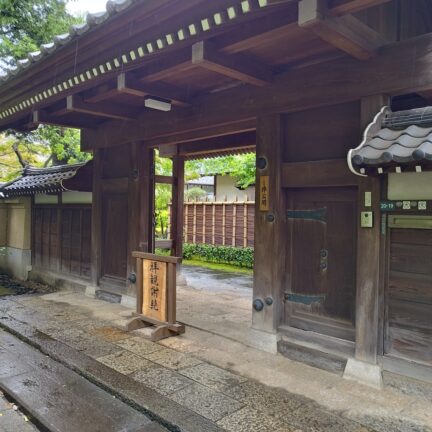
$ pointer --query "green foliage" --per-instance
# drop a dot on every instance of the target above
(241, 167)
(163, 194)
(27, 24)
(241, 257)
(24, 26)
(195, 193)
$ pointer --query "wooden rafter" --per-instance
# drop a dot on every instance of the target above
(75, 103)
(346, 32)
(237, 67)
(343, 7)
(295, 90)
(128, 84)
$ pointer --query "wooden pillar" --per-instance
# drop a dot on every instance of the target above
(146, 199)
(368, 252)
(96, 221)
(177, 213)
(136, 154)
(269, 227)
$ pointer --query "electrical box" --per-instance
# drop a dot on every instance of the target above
(366, 219)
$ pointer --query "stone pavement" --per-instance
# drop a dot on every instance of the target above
(235, 387)
(12, 419)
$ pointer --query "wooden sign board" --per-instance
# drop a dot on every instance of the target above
(155, 290)
(156, 296)
(264, 195)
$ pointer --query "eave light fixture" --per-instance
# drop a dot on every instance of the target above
(157, 104)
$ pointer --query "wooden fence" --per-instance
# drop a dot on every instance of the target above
(220, 223)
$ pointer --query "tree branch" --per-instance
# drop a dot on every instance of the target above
(21, 160)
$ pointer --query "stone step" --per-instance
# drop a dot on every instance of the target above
(60, 399)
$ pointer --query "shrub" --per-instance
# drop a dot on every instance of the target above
(241, 257)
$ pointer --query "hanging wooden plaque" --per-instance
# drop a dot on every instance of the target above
(264, 196)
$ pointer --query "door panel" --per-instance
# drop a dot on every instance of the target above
(115, 236)
(321, 262)
(408, 332)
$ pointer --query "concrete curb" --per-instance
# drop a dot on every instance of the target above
(158, 408)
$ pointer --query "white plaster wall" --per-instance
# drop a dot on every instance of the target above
(410, 186)
(15, 237)
(77, 197)
(225, 188)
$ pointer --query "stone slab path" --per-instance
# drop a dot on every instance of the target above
(60, 399)
(192, 381)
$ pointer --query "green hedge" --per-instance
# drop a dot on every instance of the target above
(241, 257)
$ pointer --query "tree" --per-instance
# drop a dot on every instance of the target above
(241, 167)
(27, 24)
(24, 26)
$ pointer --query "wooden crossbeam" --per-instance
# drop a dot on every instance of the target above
(43, 117)
(75, 103)
(237, 67)
(176, 62)
(128, 84)
(346, 32)
(343, 7)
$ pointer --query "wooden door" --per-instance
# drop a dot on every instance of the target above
(408, 328)
(115, 218)
(321, 260)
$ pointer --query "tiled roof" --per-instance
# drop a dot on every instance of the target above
(40, 180)
(92, 20)
(395, 139)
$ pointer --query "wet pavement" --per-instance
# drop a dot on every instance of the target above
(12, 419)
(216, 281)
(200, 380)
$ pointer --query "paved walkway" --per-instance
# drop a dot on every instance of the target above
(12, 419)
(234, 386)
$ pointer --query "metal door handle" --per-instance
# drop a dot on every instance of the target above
(323, 260)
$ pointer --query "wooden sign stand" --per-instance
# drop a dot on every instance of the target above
(156, 296)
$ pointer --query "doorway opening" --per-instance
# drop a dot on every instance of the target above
(217, 214)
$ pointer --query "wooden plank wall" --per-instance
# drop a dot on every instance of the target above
(220, 223)
(62, 239)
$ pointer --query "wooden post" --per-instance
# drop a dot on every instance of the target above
(146, 173)
(270, 242)
(245, 224)
(204, 222)
(213, 224)
(136, 156)
(177, 213)
(368, 253)
(224, 223)
(96, 221)
(234, 227)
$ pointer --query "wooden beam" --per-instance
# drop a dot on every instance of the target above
(219, 144)
(101, 93)
(344, 7)
(43, 117)
(129, 85)
(160, 69)
(238, 67)
(328, 173)
(75, 103)
(331, 83)
(346, 33)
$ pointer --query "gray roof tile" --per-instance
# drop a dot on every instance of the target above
(39, 180)
(92, 20)
(407, 139)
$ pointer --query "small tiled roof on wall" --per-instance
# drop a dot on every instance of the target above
(395, 140)
(40, 180)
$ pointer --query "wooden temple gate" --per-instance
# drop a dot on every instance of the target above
(297, 80)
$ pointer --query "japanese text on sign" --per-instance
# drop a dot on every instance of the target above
(154, 299)
(264, 194)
